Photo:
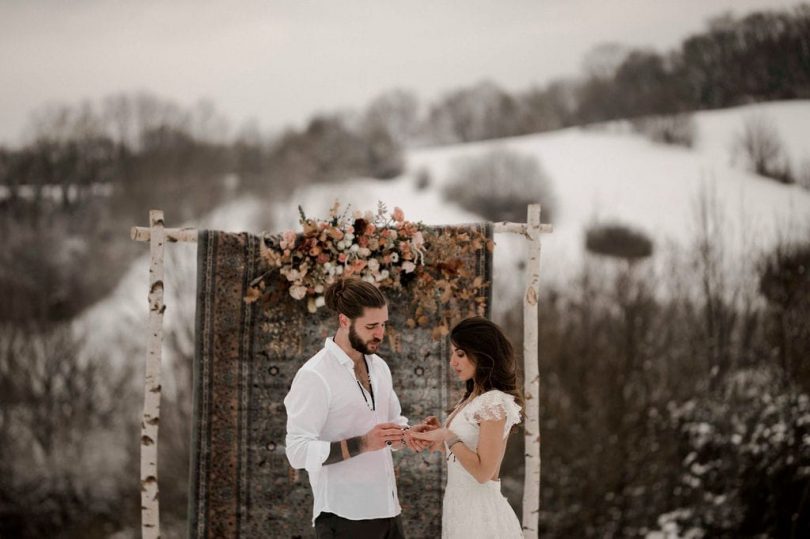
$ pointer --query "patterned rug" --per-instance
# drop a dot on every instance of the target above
(245, 359)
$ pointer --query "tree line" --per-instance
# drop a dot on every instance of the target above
(762, 56)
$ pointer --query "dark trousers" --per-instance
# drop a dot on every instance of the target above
(329, 525)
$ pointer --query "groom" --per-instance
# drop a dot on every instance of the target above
(344, 419)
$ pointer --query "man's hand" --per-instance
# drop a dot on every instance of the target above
(376, 438)
(430, 423)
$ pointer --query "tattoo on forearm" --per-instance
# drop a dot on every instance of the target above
(354, 446)
(334, 454)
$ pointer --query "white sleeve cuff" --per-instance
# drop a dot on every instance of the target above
(317, 452)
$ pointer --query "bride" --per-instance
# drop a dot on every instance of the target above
(475, 434)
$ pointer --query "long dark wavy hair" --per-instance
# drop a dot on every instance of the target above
(492, 353)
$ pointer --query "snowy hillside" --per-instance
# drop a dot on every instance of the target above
(604, 173)
(607, 173)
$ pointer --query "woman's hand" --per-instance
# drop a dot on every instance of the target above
(432, 436)
(437, 446)
(430, 423)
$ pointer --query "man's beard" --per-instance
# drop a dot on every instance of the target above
(358, 343)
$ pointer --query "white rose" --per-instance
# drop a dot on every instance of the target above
(320, 301)
(294, 275)
(382, 276)
(339, 270)
(348, 237)
(354, 248)
(319, 289)
(368, 278)
(365, 252)
(408, 266)
(373, 264)
(341, 245)
(297, 291)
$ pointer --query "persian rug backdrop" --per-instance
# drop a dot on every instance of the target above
(245, 359)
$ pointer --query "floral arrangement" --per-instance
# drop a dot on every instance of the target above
(379, 247)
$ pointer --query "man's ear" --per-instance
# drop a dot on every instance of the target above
(344, 321)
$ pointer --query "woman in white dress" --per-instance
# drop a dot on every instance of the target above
(475, 434)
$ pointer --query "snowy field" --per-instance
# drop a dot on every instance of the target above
(603, 173)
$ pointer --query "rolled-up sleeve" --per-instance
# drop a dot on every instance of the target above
(307, 406)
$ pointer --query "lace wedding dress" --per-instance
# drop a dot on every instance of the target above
(472, 509)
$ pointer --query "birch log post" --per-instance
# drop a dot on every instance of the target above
(150, 507)
(531, 486)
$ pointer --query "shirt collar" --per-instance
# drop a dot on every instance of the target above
(338, 352)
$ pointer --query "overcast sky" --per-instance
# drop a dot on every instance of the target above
(279, 62)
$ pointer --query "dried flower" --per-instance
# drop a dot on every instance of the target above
(380, 249)
(298, 291)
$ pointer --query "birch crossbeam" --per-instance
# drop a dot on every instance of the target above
(141, 233)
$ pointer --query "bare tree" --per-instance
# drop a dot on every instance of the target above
(480, 112)
(63, 455)
(499, 185)
(397, 112)
(762, 148)
(603, 60)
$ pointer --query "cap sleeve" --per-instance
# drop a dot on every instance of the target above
(496, 405)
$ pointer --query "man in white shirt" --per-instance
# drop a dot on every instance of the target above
(344, 418)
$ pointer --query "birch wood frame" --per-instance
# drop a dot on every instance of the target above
(156, 235)
(150, 506)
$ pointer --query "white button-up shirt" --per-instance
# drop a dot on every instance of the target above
(325, 404)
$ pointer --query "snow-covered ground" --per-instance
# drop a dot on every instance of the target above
(603, 173)
(609, 174)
